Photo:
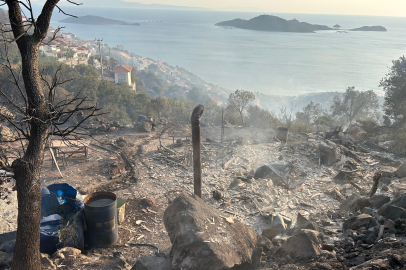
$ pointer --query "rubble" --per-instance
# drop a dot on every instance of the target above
(302, 245)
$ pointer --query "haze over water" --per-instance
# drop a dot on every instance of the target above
(267, 62)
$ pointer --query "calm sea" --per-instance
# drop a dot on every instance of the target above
(272, 63)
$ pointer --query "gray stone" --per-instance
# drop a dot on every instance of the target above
(144, 127)
(378, 200)
(401, 171)
(201, 237)
(400, 202)
(350, 204)
(302, 245)
(368, 211)
(302, 218)
(328, 154)
(363, 202)
(357, 222)
(153, 263)
(311, 226)
(394, 212)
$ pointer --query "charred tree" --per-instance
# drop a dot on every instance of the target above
(38, 117)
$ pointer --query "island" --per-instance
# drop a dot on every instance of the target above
(276, 24)
(95, 20)
(273, 24)
(370, 28)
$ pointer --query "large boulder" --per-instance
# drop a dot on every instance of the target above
(400, 202)
(201, 237)
(302, 245)
(357, 222)
(395, 212)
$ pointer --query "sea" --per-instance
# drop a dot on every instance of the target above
(272, 63)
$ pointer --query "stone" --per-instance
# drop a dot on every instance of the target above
(201, 237)
(302, 245)
(147, 202)
(399, 201)
(378, 200)
(385, 188)
(236, 183)
(8, 246)
(394, 212)
(328, 155)
(363, 202)
(5, 260)
(401, 171)
(328, 247)
(271, 233)
(67, 252)
(217, 195)
(389, 224)
(144, 127)
(350, 204)
(302, 218)
(153, 263)
(368, 211)
(264, 243)
(357, 222)
(46, 263)
(311, 226)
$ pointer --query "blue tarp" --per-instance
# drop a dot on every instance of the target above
(60, 202)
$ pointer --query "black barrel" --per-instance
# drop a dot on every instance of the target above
(101, 218)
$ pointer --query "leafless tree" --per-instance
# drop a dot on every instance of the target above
(38, 114)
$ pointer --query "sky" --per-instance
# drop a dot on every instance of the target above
(353, 7)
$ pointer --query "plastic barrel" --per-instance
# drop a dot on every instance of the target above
(101, 219)
(282, 134)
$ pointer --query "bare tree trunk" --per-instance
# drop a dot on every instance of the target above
(28, 168)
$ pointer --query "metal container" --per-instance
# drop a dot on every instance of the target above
(120, 210)
(101, 218)
(282, 134)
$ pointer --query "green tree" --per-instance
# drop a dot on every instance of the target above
(354, 104)
(239, 100)
(310, 113)
(394, 85)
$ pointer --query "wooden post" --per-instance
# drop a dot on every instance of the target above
(197, 163)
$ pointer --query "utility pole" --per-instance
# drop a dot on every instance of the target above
(99, 41)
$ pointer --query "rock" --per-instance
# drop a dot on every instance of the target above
(264, 243)
(147, 202)
(397, 259)
(8, 246)
(5, 260)
(378, 200)
(302, 245)
(178, 141)
(401, 171)
(362, 203)
(302, 218)
(394, 212)
(385, 188)
(389, 224)
(368, 211)
(357, 222)
(263, 172)
(350, 204)
(237, 182)
(201, 238)
(46, 263)
(400, 202)
(271, 233)
(217, 195)
(67, 252)
(153, 263)
(328, 155)
(144, 127)
(311, 226)
(328, 247)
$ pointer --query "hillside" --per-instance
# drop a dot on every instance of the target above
(377, 28)
(95, 20)
(274, 24)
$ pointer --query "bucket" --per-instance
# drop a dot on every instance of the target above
(101, 218)
(282, 134)
(120, 210)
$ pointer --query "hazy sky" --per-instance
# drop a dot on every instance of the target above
(357, 7)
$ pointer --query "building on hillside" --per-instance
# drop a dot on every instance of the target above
(122, 74)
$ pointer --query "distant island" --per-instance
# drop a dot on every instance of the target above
(95, 20)
(370, 28)
(275, 24)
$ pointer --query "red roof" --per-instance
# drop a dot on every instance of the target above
(81, 54)
(122, 69)
(61, 52)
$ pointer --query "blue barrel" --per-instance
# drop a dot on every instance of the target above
(101, 218)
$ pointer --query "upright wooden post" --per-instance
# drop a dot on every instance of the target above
(197, 164)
